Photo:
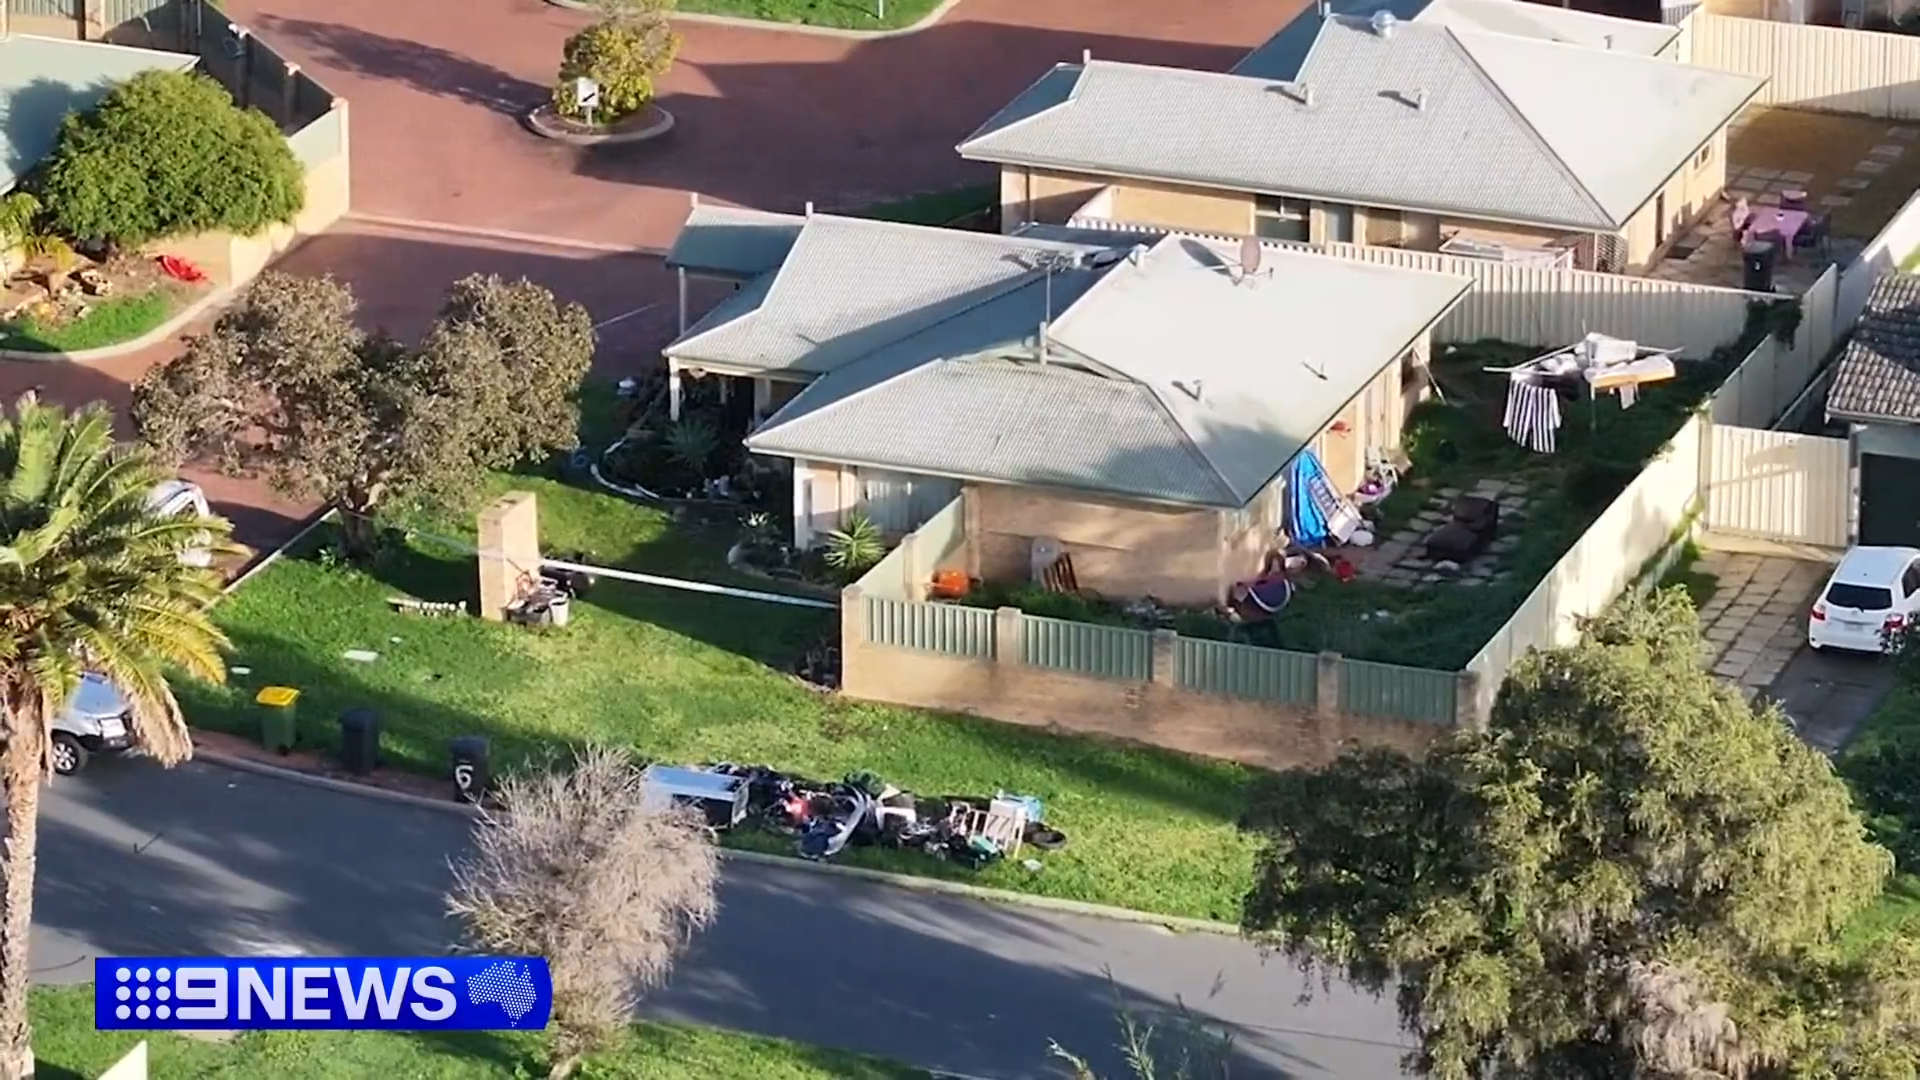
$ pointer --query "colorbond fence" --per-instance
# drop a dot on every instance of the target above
(1125, 654)
(1244, 671)
(943, 628)
(1109, 652)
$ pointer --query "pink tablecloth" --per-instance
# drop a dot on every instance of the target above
(1769, 220)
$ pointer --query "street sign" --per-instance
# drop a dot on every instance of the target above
(586, 93)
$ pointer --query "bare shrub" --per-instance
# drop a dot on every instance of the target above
(577, 867)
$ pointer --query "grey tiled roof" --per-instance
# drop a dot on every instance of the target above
(728, 241)
(44, 79)
(852, 285)
(1280, 56)
(965, 398)
(1510, 128)
(1165, 379)
(1878, 377)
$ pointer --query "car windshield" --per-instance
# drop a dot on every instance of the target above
(1860, 597)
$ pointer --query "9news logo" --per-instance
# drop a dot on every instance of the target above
(307, 993)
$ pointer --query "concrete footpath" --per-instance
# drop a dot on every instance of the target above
(204, 860)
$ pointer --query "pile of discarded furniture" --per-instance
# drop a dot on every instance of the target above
(825, 818)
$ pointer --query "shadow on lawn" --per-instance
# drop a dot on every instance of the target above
(199, 861)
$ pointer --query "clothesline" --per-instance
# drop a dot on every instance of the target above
(1601, 362)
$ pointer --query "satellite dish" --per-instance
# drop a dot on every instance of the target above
(1249, 257)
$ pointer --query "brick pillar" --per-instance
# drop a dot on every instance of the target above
(1009, 636)
(970, 529)
(509, 551)
(1326, 685)
(913, 582)
(853, 616)
(1166, 644)
(1467, 714)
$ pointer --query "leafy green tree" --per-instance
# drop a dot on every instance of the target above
(632, 45)
(91, 579)
(288, 385)
(1631, 873)
(168, 153)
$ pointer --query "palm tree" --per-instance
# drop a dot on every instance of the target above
(91, 579)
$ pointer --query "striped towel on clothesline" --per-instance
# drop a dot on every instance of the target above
(1533, 413)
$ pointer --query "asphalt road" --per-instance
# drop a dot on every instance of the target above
(1829, 695)
(203, 861)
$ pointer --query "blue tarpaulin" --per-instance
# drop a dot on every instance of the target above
(1310, 502)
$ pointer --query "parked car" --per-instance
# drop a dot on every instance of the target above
(1873, 593)
(94, 722)
(183, 497)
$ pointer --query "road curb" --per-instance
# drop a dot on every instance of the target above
(906, 882)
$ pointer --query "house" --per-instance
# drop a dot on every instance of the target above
(1487, 128)
(1136, 402)
(1876, 393)
(42, 80)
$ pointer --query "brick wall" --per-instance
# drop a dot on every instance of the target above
(1264, 734)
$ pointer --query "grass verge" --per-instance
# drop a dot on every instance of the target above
(686, 676)
(1876, 763)
(114, 321)
(66, 1045)
(840, 14)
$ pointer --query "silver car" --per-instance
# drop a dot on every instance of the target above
(94, 722)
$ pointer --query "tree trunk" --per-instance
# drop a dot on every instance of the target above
(23, 776)
(359, 535)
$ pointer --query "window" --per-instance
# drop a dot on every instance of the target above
(1705, 155)
(1859, 597)
(1276, 218)
(1910, 581)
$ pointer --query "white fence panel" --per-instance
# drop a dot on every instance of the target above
(1776, 485)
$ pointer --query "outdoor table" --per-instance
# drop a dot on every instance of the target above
(1770, 220)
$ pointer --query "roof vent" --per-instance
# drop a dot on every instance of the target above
(1382, 22)
(1420, 98)
(1136, 254)
(1086, 56)
(1607, 40)
(1306, 93)
(1323, 8)
(1190, 387)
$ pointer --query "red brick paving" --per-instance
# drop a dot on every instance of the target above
(767, 118)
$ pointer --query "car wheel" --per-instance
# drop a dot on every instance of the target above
(69, 757)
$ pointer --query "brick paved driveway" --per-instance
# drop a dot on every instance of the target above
(767, 118)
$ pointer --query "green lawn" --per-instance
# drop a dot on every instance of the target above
(110, 322)
(1896, 722)
(67, 1046)
(691, 677)
(845, 14)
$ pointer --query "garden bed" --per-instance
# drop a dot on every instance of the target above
(838, 14)
(65, 1043)
(690, 677)
(91, 305)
